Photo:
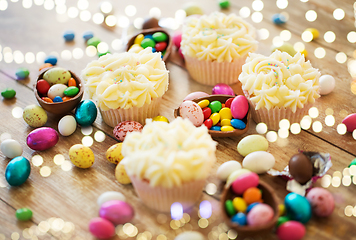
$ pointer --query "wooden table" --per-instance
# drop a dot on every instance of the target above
(64, 201)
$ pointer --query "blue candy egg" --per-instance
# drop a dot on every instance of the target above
(17, 171)
(239, 218)
(85, 113)
(237, 123)
(51, 59)
(57, 99)
(68, 35)
(88, 35)
(251, 206)
(215, 128)
(279, 19)
(153, 50)
(148, 36)
(298, 207)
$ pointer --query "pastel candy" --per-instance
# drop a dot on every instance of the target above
(68, 35)
(110, 195)
(260, 215)
(177, 38)
(327, 84)
(252, 143)
(195, 95)
(222, 88)
(291, 230)
(51, 59)
(235, 174)
(321, 200)
(238, 124)
(192, 111)
(239, 107)
(22, 73)
(116, 211)
(259, 161)
(101, 228)
(121, 130)
(244, 182)
(227, 168)
(350, 122)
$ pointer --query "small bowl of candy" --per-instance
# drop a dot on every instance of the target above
(223, 115)
(250, 206)
(58, 90)
(156, 38)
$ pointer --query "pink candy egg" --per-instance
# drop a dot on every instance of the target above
(101, 228)
(177, 38)
(42, 138)
(244, 182)
(116, 211)
(180, 53)
(350, 122)
(192, 111)
(223, 88)
(321, 201)
(121, 130)
(195, 95)
(291, 230)
(239, 107)
(260, 215)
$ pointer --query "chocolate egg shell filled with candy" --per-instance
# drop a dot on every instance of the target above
(301, 168)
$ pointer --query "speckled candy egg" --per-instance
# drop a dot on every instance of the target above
(291, 230)
(11, 148)
(42, 138)
(81, 156)
(298, 207)
(121, 175)
(227, 168)
(195, 95)
(260, 215)
(321, 200)
(67, 125)
(117, 212)
(17, 171)
(85, 113)
(101, 228)
(34, 116)
(121, 130)
(192, 111)
(57, 90)
(57, 75)
(113, 154)
(110, 195)
(190, 235)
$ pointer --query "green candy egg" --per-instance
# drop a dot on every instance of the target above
(8, 93)
(282, 220)
(57, 75)
(23, 214)
(147, 42)
(71, 91)
(159, 37)
(286, 47)
(224, 4)
(22, 73)
(229, 208)
(94, 41)
(215, 106)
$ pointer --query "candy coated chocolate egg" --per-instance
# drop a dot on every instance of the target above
(57, 75)
(116, 211)
(298, 207)
(235, 174)
(301, 168)
(88, 35)
(350, 122)
(159, 36)
(252, 143)
(195, 95)
(239, 218)
(227, 168)
(327, 84)
(110, 195)
(228, 102)
(208, 123)
(260, 215)
(259, 161)
(150, 23)
(17, 171)
(67, 125)
(239, 204)
(321, 200)
(279, 19)
(57, 99)
(42, 86)
(22, 73)
(147, 42)
(192, 111)
(239, 107)
(71, 91)
(177, 38)
(121, 130)
(81, 156)
(113, 154)
(34, 115)
(42, 138)
(215, 106)
(237, 123)
(51, 59)
(68, 35)
(190, 235)
(57, 90)
(8, 93)
(206, 112)
(222, 88)
(85, 113)
(101, 228)
(286, 47)
(94, 41)
(23, 214)
(252, 195)
(11, 148)
(291, 230)
(244, 182)
(121, 175)
(161, 46)
(224, 4)
(251, 206)
(160, 119)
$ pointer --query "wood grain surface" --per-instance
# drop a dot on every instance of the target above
(64, 202)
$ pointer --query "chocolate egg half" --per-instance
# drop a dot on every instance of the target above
(301, 168)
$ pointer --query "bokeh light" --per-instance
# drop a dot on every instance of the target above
(263, 33)
(257, 5)
(176, 211)
(307, 36)
(285, 35)
(311, 15)
(317, 126)
(329, 120)
(130, 10)
(306, 122)
(341, 129)
(87, 141)
(284, 124)
(205, 209)
(272, 136)
(339, 14)
(313, 112)
(261, 128)
(295, 128)
(341, 57)
(245, 12)
(320, 52)
(155, 12)
(329, 36)
(282, 4)
(257, 17)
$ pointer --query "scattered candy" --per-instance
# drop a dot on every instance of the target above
(45, 65)
(252, 143)
(17, 171)
(42, 138)
(322, 202)
(51, 59)
(121, 175)
(286, 47)
(223, 88)
(116, 211)
(85, 113)
(121, 130)
(22, 73)
(67, 125)
(34, 116)
(113, 154)
(160, 118)
(110, 195)
(68, 35)
(88, 35)
(350, 122)
(81, 156)
(192, 8)
(224, 4)
(101, 228)
(8, 93)
(327, 84)
(94, 41)
(259, 161)
(298, 207)
(150, 23)
(11, 148)
(227, 168)
(23, 214)
(279, 19)
(314, 32)
(158, 41)
(291, 230)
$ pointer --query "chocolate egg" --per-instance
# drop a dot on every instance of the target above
(42, 138)
(17, 171)
(301, 168)
(298, 207)
(85, 113)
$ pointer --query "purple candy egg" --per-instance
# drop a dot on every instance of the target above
(42, 138)
(222, 88)
(116, 211)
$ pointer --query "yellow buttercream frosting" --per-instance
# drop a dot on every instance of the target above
(217, 37)
(125, 80)
(169, 154)
(280, 80)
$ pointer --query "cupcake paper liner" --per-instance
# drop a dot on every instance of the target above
(212, 72)
(161, 198)
(273, 116)
(113, 117)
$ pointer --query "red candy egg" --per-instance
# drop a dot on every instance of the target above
(245, 181)
(208, 123)
(291, 230)
(161, 46)
(228, 102)
(350, 122)
(42, 87)
(101, 228)
(206, 112)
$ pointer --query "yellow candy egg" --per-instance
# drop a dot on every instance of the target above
(227, 128)
(215, 117)
(135, 48)
(81, 156)
(225, 113)
(203, 103)
(239, 204)
(160, 119)
(313, 31)
(281, 209)
(113, 154)
(305, 52)
(139, 39)
(121, 175)
(225, 122)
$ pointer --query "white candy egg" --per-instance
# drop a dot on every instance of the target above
(327, 84)
(11, 148)
(56, 90)
(67, 125)
(110, 195)
(227, 168)
(259, 161)
(190, 235)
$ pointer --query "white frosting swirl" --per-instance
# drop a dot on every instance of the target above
(218, 37)
(280, 80)
(169, 154)
(125, 80)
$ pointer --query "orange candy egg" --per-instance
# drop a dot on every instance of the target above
(47, 99)
(46, 65)
(66, 98)
(252, 195)
(72, 83)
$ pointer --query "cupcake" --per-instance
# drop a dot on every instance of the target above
(126, 86)
(279, 87)
(169, 162)
(215, 47)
